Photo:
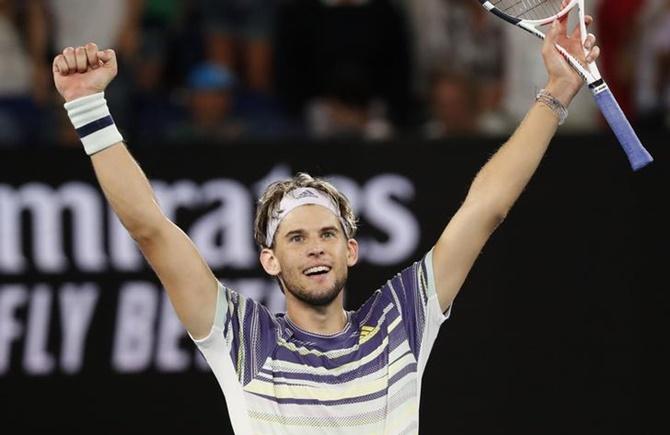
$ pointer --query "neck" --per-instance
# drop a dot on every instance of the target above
(325, 320)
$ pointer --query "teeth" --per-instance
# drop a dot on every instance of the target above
(317, 269)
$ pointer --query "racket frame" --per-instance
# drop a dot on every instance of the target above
(589, 73)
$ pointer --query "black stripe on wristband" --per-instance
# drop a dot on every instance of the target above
(94, 126)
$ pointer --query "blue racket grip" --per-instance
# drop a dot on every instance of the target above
(638, 156)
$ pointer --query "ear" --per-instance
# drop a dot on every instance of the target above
(269, 262)
(352, 252)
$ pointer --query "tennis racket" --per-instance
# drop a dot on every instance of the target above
(528, 14)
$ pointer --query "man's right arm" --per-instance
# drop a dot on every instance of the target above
(191, 285)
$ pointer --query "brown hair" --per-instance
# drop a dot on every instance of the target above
(269, 201)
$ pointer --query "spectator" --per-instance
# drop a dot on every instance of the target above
(25, 75)
(462, 32)
(211, 99)
(452, 104)
(615, 39)
(77, 22)
(653, 79)
(168, 50)
(210, 107)
(351, 53)
(237, 35)
(347, 109)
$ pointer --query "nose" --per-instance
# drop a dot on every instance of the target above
(315, 249)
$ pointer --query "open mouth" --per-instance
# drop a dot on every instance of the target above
(317, 270)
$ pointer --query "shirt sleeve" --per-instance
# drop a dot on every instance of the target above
(414, 293)
(244, 329)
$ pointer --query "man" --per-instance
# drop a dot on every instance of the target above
(316, 368)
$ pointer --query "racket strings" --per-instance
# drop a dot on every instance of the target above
(529, 9)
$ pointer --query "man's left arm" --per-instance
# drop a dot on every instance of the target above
(501, 180)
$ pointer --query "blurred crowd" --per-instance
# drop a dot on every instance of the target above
(224, 71)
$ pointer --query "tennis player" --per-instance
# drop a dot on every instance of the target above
(316, 368)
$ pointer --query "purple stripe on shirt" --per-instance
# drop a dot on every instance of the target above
(371, 367)
(283, 354)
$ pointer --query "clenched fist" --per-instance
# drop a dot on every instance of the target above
(83, 71)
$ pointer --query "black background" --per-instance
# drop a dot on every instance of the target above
(559, 329)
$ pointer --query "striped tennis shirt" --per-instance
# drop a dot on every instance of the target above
(366, 379)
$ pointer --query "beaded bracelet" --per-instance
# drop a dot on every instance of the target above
(552, 103)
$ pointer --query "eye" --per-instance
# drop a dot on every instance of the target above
(328, 234)
(296, 238)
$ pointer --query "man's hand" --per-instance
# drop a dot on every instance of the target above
(83, 71)
(564, 82)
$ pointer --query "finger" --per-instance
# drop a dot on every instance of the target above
(577, 32)
(60, 65)
(107, 56)
(588, 20)
(92, 55)
(551, 39)
(552, 34)
(68, 55)
(81, 59)
(593, 54)
(590, 41)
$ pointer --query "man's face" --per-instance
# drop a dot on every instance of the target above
(313, 254)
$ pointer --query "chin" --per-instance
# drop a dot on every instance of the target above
(316, 294)
(318, 298)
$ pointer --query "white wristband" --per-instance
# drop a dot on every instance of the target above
(94, 124)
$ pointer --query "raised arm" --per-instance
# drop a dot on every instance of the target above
(502, 179)
(81, 75)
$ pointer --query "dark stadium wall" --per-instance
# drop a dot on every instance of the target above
(549, 334)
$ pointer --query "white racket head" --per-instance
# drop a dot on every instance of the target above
(532, 12)
(528, 14)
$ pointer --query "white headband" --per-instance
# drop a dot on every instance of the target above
(296, 198)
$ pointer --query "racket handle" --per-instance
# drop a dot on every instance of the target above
(638, 156)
